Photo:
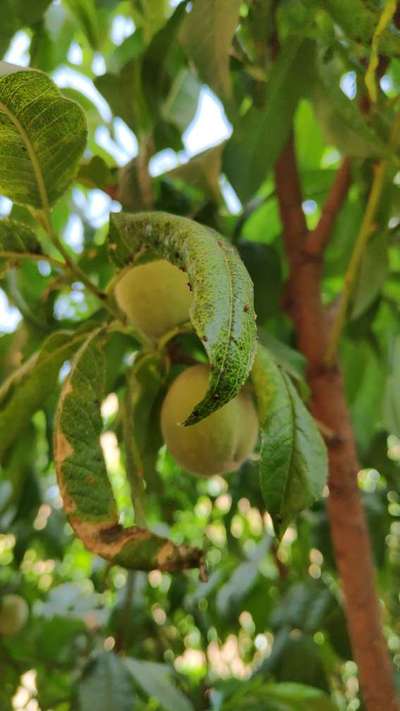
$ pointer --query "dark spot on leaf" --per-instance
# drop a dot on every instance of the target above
(246, 308)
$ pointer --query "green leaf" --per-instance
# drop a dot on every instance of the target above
(158, 73)
(105, 685)
(222, 310)
(264, 266)
(359, 22)
(206, 35)
(341, 119)
(27, 389)
(260, 136)
(391, 407)
(372, 275)
(17, 240)
(202, 171)
(180, 105)
(146, 386)
(155, 680)
(123, 91)
(293, 466)
(298, 697)
(82, 476)
(88, 16)
(149, 14)
(42, 136)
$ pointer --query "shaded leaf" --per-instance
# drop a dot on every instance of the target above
(222, 308)
(17, 239)
(155, 680)
(258, 139)
(27, 389)
(105, 685)
(293, 466)
(202, 171)
(391, 406)
(372, 275)
(206, 35)
(42, 136)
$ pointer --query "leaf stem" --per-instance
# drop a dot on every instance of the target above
(366, 229)
(7, 254)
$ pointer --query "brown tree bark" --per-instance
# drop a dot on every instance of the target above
(347, 519)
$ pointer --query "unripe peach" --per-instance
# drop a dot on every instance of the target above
(218, 444)
(14, 613)
(155, 297)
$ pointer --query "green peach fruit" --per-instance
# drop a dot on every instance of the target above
(155, 297)
(218, 444)
(14, 613)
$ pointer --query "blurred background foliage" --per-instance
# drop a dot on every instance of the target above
(174, 96)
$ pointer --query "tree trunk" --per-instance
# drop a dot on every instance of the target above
(347, 519)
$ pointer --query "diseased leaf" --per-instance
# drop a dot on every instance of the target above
(260, 136)
(106, 685)
(293, 466)
(27, 389)
(222, 311)
(42, 136)
(82, 476)
(155, 680)
(206, 35)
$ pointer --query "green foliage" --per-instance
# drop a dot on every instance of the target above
(117, 617)
(37, 164)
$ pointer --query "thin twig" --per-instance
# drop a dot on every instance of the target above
(319, 237)
(366, 230)
(35, 257)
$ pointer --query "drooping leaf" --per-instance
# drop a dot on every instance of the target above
(206, 35)
(82, 476)
(222, 311)
(27, 389)
(17, 240)
(293, 465)
(105, 685)
(157, 75)
(42, 136)
(156, 682)
(260, 136)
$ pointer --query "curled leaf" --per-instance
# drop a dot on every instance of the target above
(222, 310)
(82, 476)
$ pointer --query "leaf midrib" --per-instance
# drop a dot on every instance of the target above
(32, 155)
